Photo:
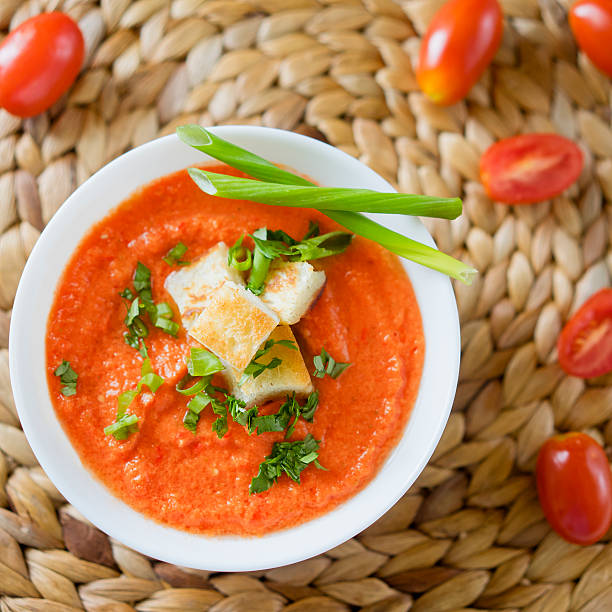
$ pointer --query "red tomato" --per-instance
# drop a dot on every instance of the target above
(591, 23)
(575, 487)
(530, 168)
(585, 343)
(39, 60)
(459, 44)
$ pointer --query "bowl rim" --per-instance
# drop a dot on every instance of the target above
(94, 199)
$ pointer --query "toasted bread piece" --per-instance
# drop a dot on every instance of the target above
(291, 288)
(290, 376)
(190, 286)
(233, 324)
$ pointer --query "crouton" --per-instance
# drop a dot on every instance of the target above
(233, 324)
(291, 288)
(290, 376)
(190, 286)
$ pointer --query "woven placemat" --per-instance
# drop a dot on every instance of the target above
(470, 532)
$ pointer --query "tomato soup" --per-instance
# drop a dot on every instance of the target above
(366, 315)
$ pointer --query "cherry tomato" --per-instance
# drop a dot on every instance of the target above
(591, 23)
(459, 44)
(585, 343)
(575, 487)
(39, 60)
(530, 168)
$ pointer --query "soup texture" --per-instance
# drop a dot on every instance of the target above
(366, 315)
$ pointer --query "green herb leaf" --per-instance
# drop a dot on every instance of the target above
(68, 377)
(326, 364)
(325, 198)
(237, 410)
(271, 249)
(266, 423)
(149, 378)
(134, 336)
(142, 278)
(170, 327)
(281, 236)
(124, 401)
(122, 427)
(309, 409)
(203, 363)
(152, 380)
(142, 348)
(194, 408)
(160, 314)
(290, 458)
(126, 423)
(313, 230)
(239, 257)
(289, 409)
(260, 168)
(174, 255)
(256, 368)
(321, 246)
(163, 310)
(219, 426)
(133, 312)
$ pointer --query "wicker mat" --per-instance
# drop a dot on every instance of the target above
(470, 533)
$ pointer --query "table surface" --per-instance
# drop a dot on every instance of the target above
(470, 532)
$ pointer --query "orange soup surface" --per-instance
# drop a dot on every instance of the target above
(366, 315)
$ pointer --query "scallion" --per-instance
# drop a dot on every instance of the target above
(324, 198)
(261, 169)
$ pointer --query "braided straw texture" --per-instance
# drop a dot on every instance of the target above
(470, 533)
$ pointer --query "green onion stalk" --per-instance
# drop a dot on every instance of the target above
(276, 186)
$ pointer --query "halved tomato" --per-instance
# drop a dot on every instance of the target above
(585, 343)
(575, 487)
(591, 23)
(530, 168)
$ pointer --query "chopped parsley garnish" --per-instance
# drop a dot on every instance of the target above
(231, 406)
(321, 246)
(272, 244)
(174, 255)
(289, 409)
(126, 423)
(326, 364)
(219, 426)
(291, 458)
(237, 410)
(239, 257)
(68, 378)
(255, 368)
(313, 230)
(142, 280)
(142, 303)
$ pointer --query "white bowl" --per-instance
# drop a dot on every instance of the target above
(94, 200)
